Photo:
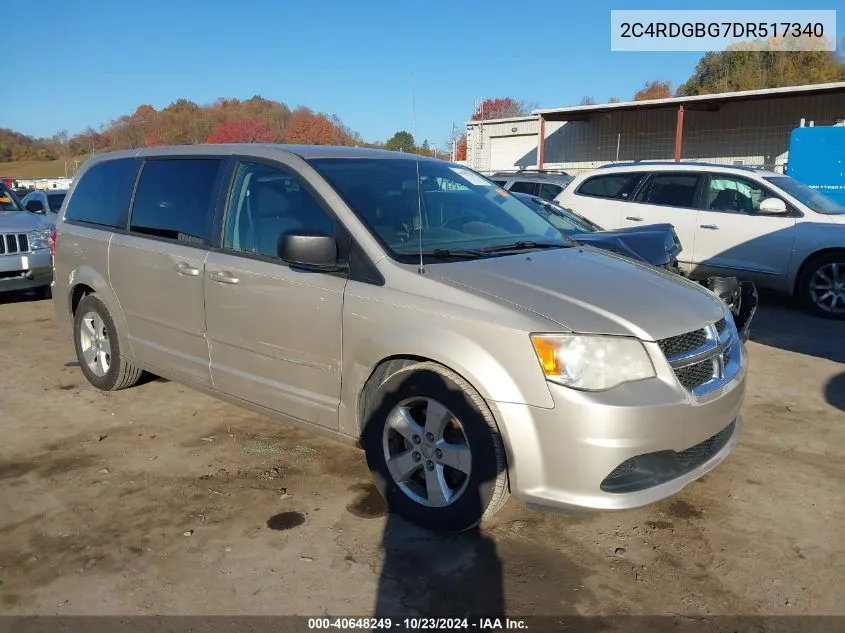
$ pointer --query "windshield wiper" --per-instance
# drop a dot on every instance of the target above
(525, 245)
(464, 253)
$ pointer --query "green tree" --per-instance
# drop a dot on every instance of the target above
(402, 141)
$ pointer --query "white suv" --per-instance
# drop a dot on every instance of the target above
(758, 225)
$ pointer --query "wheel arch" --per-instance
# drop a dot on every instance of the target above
(85, 281)
(808, 261)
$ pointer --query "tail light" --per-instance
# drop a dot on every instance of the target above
(53, 236)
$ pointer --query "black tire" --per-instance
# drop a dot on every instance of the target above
(487, 484)
(121, 373)
(804, 282)
(43, 292)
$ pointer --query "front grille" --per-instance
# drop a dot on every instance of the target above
(14, 243)
(653, 469)
(683, 343)
(703, 359)
(695, 375)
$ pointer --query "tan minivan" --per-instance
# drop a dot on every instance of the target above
(406, 304)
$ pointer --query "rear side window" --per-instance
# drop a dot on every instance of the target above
(174, 199)
(549, 191)
(671, 190)
(102, 195)
(520, 186)
(616, 186)
(501, 183)
(55, 200)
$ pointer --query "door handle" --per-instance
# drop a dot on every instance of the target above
(223, 278)
(634, 218)
(712, 227)
(186, 269)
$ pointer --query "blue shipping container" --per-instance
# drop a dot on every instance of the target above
(817, 158)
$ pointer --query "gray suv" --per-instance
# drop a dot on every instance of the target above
(25, 242)
(408, 305)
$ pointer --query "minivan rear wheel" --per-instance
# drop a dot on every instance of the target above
(98, 349)
(434, 449)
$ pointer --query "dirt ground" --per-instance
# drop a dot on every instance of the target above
(160, 500)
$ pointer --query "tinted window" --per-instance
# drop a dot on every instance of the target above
(617, 186)
(174, 199)
(56, 200)
(102, 195)
(266, 203)
(548, 192)
(520, 186)
(501, 183)
(737, 195)
(672, 190)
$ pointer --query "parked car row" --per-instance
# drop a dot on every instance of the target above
(464, 340)
(755, 225)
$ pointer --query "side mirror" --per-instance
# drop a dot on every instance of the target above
(35, 206)
(773, 206)
(309, 249)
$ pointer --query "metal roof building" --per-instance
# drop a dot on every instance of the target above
(741, 128)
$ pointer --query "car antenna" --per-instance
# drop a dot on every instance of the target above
(421, 268)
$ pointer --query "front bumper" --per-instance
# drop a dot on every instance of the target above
(565, 456)
(27, 270)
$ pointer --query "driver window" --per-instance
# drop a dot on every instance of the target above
(265, 204)
(734, 195)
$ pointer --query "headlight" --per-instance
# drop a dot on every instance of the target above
(592, 363)
(40, 238)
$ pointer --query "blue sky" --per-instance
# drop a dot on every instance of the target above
(89, 61)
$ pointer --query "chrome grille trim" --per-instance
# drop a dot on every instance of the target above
(706, 359)
(14, 244)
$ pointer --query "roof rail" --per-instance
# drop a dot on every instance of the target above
(639, 163)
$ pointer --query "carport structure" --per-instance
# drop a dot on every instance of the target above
(740, 128)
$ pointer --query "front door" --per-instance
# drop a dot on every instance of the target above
(274, 331)
(157, 269)
(734, 238)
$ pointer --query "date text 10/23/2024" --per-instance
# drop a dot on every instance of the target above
(418, 624)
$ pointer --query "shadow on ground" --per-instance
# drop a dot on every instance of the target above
(781, 323)
(834, 391)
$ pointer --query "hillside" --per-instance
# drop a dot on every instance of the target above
(41, 168)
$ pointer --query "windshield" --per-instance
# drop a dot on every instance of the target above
(567, 221)
(459, 212)
(56, 200)
(808, 196)
(8, 202)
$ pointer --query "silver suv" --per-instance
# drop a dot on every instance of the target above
(25, 241)
(406, 304)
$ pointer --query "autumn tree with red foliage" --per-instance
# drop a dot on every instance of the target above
(241, 132)
(313, 128)
(499, 108)
(654, 90)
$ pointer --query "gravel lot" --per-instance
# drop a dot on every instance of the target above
(160, 500)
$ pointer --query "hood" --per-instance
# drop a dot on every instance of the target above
(654, 244)
(589, 291)
(21, 221)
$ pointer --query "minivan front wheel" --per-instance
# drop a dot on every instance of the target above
(98, 349)
(434, 449)
(822, 286)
